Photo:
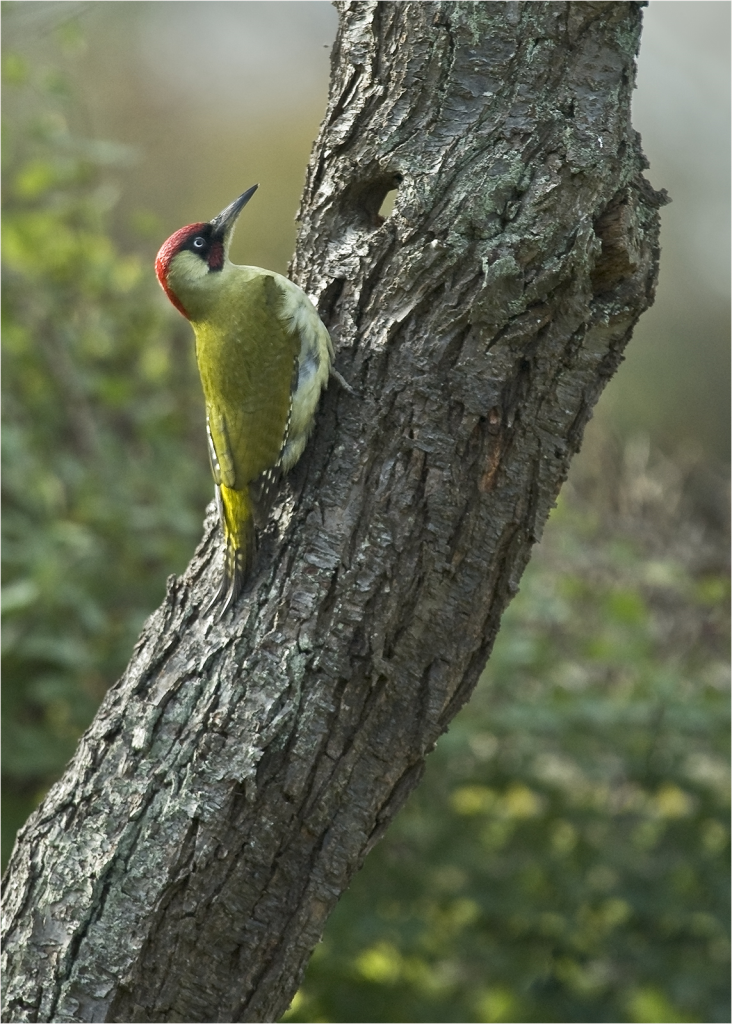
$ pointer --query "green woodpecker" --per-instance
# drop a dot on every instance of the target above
(263, 356)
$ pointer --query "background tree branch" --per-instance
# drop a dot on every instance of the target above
(237, 775)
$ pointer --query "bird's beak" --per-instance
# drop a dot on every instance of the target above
(223, 223)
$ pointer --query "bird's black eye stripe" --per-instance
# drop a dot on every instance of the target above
(205, 244)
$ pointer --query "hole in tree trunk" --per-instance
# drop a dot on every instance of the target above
(367, 203)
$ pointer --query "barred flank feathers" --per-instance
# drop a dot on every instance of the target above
(262, 492)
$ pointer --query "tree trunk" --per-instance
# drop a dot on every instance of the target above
(236, 776)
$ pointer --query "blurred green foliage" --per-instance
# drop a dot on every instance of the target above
(566, 857)
(104, 471)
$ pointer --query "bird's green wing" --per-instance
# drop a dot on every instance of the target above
(247, 369)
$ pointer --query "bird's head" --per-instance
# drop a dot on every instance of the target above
(196, 251)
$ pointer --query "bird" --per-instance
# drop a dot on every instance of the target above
(264, 356)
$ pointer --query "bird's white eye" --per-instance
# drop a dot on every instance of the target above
(199, 243)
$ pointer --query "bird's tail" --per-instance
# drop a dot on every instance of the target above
(237, 521)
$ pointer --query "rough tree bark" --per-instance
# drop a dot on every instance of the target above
(236, 776)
